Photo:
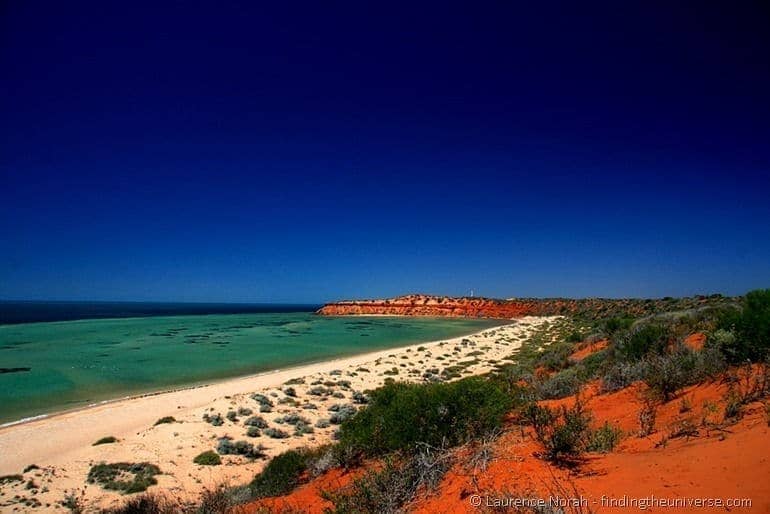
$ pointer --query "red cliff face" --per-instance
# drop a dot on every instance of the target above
(592, 308)
(423, 305)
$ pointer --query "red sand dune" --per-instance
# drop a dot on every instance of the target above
(717, 463)
(721, 461)
(586, 349)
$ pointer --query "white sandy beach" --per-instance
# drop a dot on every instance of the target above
(61, 445)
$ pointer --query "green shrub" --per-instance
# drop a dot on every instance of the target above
(7, 479)
(751, 326)
(563, 384)
(575, 337)
(222, 499)
(275, 433)
(555, 357)
(388, 489)
(256, 421)
(614, 325)
(604, 439)
(591, 367)
(622, 374)
(114, 476)
(401, 415)
(227, 447)
(106, 440)
(563, 433)
(166, 419)
(341, 413)
(667, 374)
(282, 474)
(208, 458)
(215, 419)
(652, 337)
(146, 504)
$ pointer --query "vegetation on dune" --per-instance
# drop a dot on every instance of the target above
(166, 419)
(227, 446)
(564, 433)
(106, 440)
(124, 476)
(402, 415)
(392, 486)
(208, 458)
(282, 473)
(147, 504)
(747, 330)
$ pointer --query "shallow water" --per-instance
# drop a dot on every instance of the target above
(59, 365)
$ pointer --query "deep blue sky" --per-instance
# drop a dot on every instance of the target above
(217, 152)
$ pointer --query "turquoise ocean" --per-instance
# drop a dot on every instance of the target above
(52, 366)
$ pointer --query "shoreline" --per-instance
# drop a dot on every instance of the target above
(197, 385)
(61, 445)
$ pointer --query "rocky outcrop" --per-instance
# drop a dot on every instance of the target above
(426, 305)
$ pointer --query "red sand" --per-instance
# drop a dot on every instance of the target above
(306, 498)
(733, 462)
(586, 349)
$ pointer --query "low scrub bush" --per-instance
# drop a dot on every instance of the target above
(647, 416)
(146, 504)
(106, 440)
(575, 337)
(166, 419)
(226, 446)
(555, 357)
(341, 413)
(388, 489)
(622, 374)
(275, 433)
(604, 439)
(256, 421)
(565, 383)
(291, 419)
(222, 499)
(284, 472)
(208, 458)
(401, 415)
(613, 325)
(124, 476)
(564, 433)
(667, 374)
(643, 339)
(751, 326)
(265, 404)
(280, 476)
(215, 419)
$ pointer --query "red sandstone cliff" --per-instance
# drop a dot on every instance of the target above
(426, 305)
